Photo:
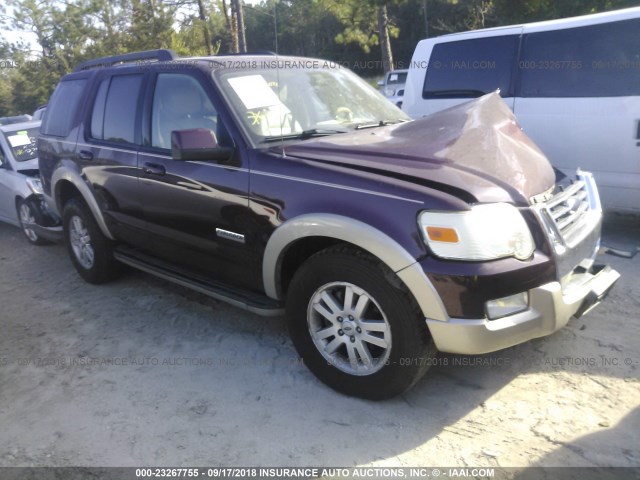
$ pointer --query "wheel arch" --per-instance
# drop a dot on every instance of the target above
(69, 184)
(309, 233)
(17, 200)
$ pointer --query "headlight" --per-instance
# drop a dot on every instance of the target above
(389, 92)
(486, 232)
(35, 185)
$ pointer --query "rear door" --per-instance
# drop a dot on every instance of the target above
(108, 154)
(579, 100)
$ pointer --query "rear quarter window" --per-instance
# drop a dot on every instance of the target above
(593, 61)
(63, 107)
(120, 109)
(471, 68)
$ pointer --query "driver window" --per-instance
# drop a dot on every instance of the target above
(180, 103)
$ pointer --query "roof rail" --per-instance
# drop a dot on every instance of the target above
(161, 55)
(256, 52)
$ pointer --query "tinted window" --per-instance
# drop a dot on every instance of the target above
(470, 68)
(62, 108)
(120, 108)
(180, 103)
(97, 115)
(594, 61)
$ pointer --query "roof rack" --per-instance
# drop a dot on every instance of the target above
(161, 55)
(256, 52)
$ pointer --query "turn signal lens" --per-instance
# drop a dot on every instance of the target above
(442, 234)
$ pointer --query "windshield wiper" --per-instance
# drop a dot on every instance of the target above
(461, 93)
(381, 123)
(311, 132)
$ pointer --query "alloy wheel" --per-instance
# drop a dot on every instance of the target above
(349, 328)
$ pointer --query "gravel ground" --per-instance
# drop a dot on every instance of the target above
(141, 372)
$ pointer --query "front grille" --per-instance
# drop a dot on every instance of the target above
(568, 208)
(570, 211)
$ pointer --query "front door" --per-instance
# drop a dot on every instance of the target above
(196, 211)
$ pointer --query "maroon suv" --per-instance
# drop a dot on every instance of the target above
(283, 184)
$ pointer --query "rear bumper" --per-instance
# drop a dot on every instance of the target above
(550, 308)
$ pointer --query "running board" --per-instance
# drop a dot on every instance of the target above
(253, 302)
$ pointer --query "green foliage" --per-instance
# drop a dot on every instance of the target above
(346, 31)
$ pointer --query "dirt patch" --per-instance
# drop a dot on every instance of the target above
(141, 372)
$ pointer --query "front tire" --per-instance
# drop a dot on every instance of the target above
(90, 251)
(356, 326)
(28, 214)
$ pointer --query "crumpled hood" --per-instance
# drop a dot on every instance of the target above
(476, 147)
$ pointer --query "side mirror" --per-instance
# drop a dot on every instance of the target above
(381, 83)
(198, 144)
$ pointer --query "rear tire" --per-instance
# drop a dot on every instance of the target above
(90, 251)
(356, 326)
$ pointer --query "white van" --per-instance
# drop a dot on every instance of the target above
(574, 85)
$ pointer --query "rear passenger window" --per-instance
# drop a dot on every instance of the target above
(63, 107)
(593, 61)
(114, 111)
(471, 68)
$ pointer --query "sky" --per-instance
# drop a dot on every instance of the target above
(14, 36)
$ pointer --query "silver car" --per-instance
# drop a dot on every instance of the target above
(21, 201)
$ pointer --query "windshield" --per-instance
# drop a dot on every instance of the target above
(23, 143)
(300, 103)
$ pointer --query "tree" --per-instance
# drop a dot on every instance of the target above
(202, 14)
(366, 23)
(523, 11)
(237, 12)
(71, 31)
(383, 38)
(6, 73)
(151, 25)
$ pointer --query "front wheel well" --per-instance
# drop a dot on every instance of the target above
(17, 200)
(65, 191)
(301, 250)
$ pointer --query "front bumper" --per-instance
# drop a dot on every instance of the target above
(50, 224)
(53, 234)
(550, 308)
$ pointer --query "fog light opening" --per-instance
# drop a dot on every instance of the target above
(505, 306)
